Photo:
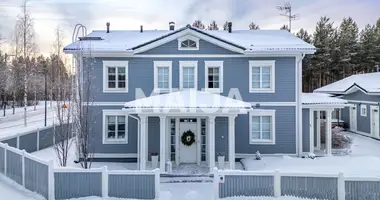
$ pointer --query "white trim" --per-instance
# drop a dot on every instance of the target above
(188, 64)
(325, 106)
(274, 103)
(219, 64)
(185, 33)
(261, 113)
(106, 65)
(367, 102)
(155, 79)
(311, 131)
(188, 37)
(363, 110)
(104, 126)
(261, 63)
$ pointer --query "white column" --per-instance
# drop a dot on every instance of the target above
(143, 142)
(231, 141)
(318, 130)
(328, 135)
(211, 142)
(162, 143)
(311, 130)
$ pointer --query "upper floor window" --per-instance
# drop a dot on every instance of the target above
(214, 76)
(115, 76)
(188, 74)
(188, 43)
(262, 127)
(162, 76)
(115, 127)
(261, 76)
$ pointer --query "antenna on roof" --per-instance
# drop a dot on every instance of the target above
(288, 14)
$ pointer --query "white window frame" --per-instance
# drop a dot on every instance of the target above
(158, 64)
(107, 113)
(183, 64)
(363, 107)
(188, 37)
(106, 65)
(213, 64)
(261, 113)
(260, 63)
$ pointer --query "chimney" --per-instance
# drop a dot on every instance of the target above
(171, 26)
(229, 27)
(108, 27)
(141, 29)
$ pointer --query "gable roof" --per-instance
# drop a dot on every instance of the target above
(367, 83)
(244, 40)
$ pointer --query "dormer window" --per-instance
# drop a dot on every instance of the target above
(188, 43)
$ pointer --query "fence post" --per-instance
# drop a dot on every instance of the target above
(23, 167)
(157, 183)
(51, 185)
(341, 187)
(38, 139)
(216, 184)
(104, 182)
(5, 159)
(18, 141)
(277, 184)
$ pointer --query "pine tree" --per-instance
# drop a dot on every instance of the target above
(253, 26)
(285, 27)
(367, 51)
(213, 26)
(198, 24)
(348, 47)
(377, 42)
(307, 71)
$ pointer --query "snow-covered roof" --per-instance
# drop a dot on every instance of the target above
(319, 98)
(368, 83)
(187, 99)
(247, 40)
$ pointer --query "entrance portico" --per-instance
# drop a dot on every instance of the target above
(190, 111)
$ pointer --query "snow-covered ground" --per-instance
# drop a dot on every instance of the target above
(14, 124)
(364, 160)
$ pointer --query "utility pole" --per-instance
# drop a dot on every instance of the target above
(288, 13)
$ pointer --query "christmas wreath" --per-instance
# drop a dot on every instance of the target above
(188, 138)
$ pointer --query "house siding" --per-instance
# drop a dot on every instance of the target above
(305, 130)
(285, 133)
(360, 96)
(346, 116)
(172, 48)
(235, 70)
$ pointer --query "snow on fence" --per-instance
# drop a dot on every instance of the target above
(76, 183)
(43, 138)
(27, 170)
(313, 186)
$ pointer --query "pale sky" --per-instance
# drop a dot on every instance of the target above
(155, 14)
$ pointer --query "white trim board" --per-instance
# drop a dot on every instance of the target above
(115, 155)
(248, 155)
(367, 102)
(274, 103)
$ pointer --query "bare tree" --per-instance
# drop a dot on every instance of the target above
(213, 26)
(199, 24)
(84, 115)
(4, 71)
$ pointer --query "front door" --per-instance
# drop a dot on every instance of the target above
(187, 154)
(375, 121)
(353, 119)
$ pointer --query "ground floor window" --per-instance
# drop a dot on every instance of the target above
(262, 127)
(115, 125)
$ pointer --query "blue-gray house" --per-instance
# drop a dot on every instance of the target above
(191, 95)
(362, 91)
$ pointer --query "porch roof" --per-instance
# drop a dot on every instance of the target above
(189, 99)
(320, 99)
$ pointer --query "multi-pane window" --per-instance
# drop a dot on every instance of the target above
(214, 76)
(115, 76)
(188, 74)
(262, 127)
(115, 125)
(261, 76)
(363, 110)
(188, 44)
(162, 76)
